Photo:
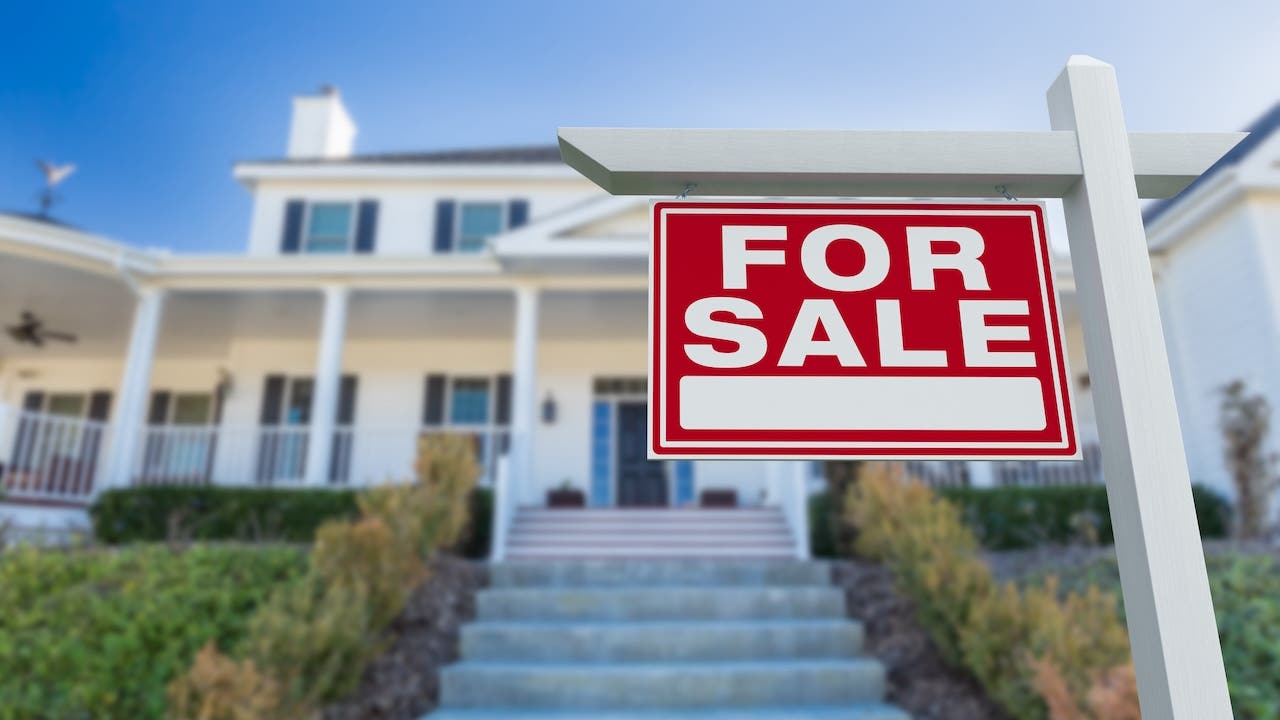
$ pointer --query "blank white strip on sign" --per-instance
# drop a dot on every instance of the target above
(861, 403)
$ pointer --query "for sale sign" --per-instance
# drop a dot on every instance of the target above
(878, 330)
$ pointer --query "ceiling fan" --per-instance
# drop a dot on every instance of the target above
(31, 331)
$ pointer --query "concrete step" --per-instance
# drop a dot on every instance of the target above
(583, 550)
(660, 685)
(615, 513)
(660, 603)
(648, 534)
(685, 573)
(857, 711)
(661, 641)
(607, 523)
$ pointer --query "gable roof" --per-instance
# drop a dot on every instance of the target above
(1259, 130)
(511, 155)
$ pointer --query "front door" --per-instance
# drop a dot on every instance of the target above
(641, 481)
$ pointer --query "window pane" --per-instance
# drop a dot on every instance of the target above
(66, 405)
(470, 401)
(480, 221)
(191, 409)
(298, 411)
(329, 228)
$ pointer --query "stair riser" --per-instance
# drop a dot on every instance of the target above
(645, 643)
(687, 573)
(859, 711)
(661, 604)
(664, 687)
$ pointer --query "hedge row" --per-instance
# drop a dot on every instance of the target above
(153, 514)
(1009, 518)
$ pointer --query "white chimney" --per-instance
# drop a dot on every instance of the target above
(321, 127)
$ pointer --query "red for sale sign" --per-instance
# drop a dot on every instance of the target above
(874, 330)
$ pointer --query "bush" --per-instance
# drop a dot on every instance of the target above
(1012, 518)
(100, 633)
(821, 533)
(153, 514)
(1246, 598)
(1025, 647)
(309, 643)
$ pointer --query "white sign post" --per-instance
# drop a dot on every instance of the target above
(1100, 171)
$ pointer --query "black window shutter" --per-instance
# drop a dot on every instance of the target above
(272, 400)
(291, 237)
(347, 400)
(366, 226)
(445, 210)
(517, 213)
(158, 412)
(33, 401)
(502, 413)
(100, 405)
(433, 404)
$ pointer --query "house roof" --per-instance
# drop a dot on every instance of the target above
(36, 217)
(512, 155)
(1259, 130)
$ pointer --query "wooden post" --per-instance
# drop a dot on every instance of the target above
(1166, 589)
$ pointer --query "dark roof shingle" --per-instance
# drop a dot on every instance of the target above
(515, 155)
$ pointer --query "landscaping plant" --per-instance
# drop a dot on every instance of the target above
(100, 632)
(311, 640)
(1036, 654)
(1245, 420)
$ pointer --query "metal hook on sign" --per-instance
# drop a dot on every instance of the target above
(688, 187)
(1004, 190)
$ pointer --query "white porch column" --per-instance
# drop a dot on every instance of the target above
(324, 397)
(524, 392)
(135, 383)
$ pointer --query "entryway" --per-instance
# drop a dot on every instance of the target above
(641, 482)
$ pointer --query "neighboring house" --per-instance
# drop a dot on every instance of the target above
(490, 292)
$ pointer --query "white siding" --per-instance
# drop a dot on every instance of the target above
(1220, 325)
(406, 210)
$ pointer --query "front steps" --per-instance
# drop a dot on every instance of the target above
(679, 639)
(546, 534)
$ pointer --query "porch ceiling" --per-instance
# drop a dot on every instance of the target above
(95, 308)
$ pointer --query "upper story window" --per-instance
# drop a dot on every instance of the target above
(466, 226)
(330, 227)
(480, 221)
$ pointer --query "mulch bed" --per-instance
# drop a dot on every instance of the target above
(404, 682)
(919, 681)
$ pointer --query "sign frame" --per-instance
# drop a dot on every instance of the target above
(1099, 170)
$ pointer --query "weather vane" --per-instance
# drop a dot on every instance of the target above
(53, 175)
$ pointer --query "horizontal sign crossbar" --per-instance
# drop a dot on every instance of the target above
(854, 163)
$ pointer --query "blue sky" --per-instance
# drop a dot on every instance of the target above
(154, 101)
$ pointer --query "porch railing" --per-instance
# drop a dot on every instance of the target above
(277, 455)
(51, 457)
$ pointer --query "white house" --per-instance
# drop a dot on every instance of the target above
(492, 292)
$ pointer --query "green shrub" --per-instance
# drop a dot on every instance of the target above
(1011, 518)
(100, 633)
(821, 534)
(1030, 649)
(478, 537)
(308, 644)
(150, 514)
(1246, 601)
